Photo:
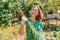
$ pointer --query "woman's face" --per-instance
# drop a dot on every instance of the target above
(34, 11)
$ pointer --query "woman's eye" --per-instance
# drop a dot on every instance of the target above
(34, 9)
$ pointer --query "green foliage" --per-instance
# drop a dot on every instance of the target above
(26, 6)
(46, 26)
(54, 34)
(7, 8)
(53, 5)
(54, 27)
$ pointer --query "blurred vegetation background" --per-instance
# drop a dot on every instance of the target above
(9, 15)
(8, 8)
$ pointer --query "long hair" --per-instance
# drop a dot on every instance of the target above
(40, 14)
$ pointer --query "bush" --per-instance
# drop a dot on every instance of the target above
(54, 28)
(46, 26)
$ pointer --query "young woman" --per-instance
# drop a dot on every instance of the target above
(35, 19)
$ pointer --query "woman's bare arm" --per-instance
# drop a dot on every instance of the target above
(22, 28)
(22, 32)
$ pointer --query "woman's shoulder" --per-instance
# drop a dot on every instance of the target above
(40, 22)
(28, 19)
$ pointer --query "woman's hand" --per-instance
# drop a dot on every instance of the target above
(22, 25)
(23, 20)
(20, 12)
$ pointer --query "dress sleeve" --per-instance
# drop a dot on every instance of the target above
(40, 24)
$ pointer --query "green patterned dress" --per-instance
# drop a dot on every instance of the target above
(33, 30)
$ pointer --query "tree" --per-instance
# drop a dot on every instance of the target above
(26, 5)
(53, 5)
(7, 8)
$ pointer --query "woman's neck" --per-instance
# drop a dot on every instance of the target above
(33, 18)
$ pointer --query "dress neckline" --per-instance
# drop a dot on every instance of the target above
(32, 20)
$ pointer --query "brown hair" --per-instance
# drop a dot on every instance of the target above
(40, 16)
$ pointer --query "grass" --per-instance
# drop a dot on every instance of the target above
(9, 33)
(50, 34)
(12, 33)
(58, 37)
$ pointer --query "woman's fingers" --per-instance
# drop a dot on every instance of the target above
(24, 18)
(20, 12)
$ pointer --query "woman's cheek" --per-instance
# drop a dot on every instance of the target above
(33, 12)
